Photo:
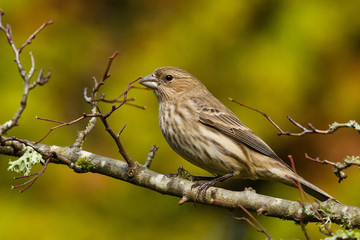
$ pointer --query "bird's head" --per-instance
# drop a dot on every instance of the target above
(169, 83)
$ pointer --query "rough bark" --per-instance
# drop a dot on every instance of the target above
(83, 161)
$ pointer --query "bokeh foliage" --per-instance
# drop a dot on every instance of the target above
(298, 58)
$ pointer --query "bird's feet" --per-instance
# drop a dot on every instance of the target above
(203, 186)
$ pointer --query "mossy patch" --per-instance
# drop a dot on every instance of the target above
(84, 164)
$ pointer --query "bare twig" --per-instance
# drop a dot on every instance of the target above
(89, 127)
(63, 124)
(338, 166)
(96, 113)
(257, 225)
(41, 79)
(102, 98)
(183, 200)
(297, 183)
(34, 176)
(303, 194)
(93, 101)
(151, 156)
(312, 130)
(302, 225)
(135, 105)
(118, 142)
(264, 114)
(25, 76)
(125, 99)
(32, 36)
(105, 76)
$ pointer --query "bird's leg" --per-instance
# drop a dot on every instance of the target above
(203, 186)
(181, 172)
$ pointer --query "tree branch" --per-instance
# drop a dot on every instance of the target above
(26, 77)
(338, 166)
(312, 130)
(181, 188)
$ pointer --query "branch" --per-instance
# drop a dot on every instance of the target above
(313, 208)
(41, 80)
(181, 188)
(338, 166)
(96, 113)
(151, 156)
(255, 224)
(33, 178)
(312, 130)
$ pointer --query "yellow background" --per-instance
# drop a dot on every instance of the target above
(297, 58)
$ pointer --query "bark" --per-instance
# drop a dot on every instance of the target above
(83, 161)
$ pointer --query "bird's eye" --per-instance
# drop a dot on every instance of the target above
(169, 77)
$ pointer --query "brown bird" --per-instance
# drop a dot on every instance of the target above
(206, 133)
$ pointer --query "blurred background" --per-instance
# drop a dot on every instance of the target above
(297, 58)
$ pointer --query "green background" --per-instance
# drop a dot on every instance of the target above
(297, 58)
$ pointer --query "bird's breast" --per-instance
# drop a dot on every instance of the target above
(199, 144)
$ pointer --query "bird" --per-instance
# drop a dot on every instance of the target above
(203, 131)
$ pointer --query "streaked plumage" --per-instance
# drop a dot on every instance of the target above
(206, 133)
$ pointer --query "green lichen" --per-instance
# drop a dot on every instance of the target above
(26, 161)
(325, 211)
(310, 212)
(84, 164)
(346, 222)
(352, 160)
(344, 234)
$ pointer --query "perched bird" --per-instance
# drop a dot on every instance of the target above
(206, 133)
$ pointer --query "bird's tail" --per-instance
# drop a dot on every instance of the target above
(308, 187)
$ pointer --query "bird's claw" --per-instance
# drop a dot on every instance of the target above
(203, 186)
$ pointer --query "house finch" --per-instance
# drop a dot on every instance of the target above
(206, 133)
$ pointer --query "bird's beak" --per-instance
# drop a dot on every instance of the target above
(149, 81)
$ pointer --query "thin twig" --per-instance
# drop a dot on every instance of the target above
(137, 106)
(89, 127)
(41, 79)
(264, 114)
(97, 113)
(93, 101)
(338, 166)
(32, 36)
(151, 156)
(303, 228)
(26, 77)
(258, 225)
(30, 182)
(105, 76)
(312, 130)
(102, 98)
(63, 124)
(303, 194)
(118, 142)
(125, 99)
(48, 156)
(297, 183)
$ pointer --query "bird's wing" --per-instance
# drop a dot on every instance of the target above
(231, 126)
